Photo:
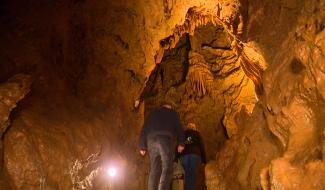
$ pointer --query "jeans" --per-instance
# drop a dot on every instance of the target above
(161, 154)
(191, 163)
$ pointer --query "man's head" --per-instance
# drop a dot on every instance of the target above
(167, 104)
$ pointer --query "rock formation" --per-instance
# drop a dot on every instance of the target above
(292, 106)
(11, 92)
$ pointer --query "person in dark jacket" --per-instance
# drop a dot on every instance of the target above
(158, 136)
(193, 156)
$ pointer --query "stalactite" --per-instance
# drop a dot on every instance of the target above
(197, 17)
(199, 77)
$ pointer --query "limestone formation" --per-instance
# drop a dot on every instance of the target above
(292, 108)
(11, 92)
(297, 118)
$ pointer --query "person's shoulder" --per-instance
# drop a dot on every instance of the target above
(153, 113)
(172, 110)
(169, 110)
(188, 131)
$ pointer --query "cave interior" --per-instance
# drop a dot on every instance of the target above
(79, 77)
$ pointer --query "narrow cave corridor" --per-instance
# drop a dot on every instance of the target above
(78, 79)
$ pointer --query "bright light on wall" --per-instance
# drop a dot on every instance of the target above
(112, 172)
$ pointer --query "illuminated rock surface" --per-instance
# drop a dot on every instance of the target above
(11, 92)
(249, 73)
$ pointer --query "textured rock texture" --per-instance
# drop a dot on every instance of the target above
(239, 162)
(291, 108)
(296, 113)
(11, 92)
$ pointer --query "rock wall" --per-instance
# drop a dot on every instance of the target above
(239, 162)
(299, 103)
(291, 108)
(11, 92)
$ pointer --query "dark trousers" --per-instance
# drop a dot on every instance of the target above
(161, 153)
(191, 164)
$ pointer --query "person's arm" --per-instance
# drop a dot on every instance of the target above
(180, 134)
(143, 139)
(177, 154)
(180, 131)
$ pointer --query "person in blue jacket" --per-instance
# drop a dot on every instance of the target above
(192, 156)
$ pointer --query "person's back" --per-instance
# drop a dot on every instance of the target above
(158, 135)
(194, 144)
(162, 120)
